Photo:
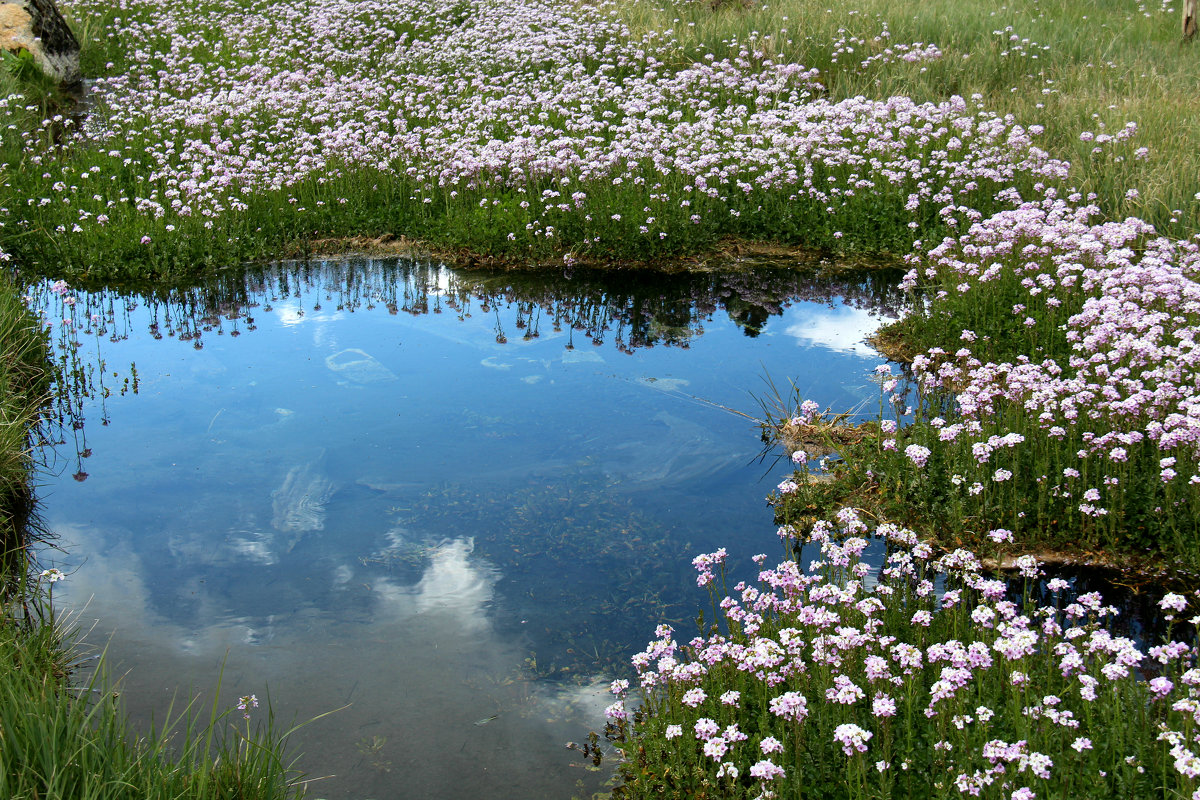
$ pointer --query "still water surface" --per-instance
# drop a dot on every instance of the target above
(453, 502)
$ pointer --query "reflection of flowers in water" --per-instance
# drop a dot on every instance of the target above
(632, 310)
(635, 311)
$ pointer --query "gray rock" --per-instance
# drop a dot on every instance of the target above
(35, 26)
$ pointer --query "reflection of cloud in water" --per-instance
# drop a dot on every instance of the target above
(358, 366)
(255, 546)
(842, 330)
(581, 357)
(110, 592)
(455, 709)
(289, 313)
(452, 585)
(298, 506)
(494, 363)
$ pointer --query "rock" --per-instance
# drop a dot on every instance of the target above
(36, 27)
(359, 367)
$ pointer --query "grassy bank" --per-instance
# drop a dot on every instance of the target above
(25, 382)
(1051, 399)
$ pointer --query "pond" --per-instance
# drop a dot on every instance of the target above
(449, 503)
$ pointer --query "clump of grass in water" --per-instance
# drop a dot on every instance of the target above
(802, 429)
(920, 678)
(372, 749)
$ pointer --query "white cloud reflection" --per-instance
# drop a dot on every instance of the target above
(451, 706)
(842, 330)
(453, 585)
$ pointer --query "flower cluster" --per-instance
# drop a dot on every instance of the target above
(542, 118)
(822, 673)
(245, 703)
(1078, 417)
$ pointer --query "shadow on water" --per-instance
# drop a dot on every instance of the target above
(1135, 598)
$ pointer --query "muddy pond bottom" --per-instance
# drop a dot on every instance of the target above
(448, 504)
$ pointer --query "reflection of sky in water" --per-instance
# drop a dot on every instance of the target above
(842, 329)
(399, 513)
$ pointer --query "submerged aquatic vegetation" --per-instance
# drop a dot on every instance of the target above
(922, 677)
(572, 558)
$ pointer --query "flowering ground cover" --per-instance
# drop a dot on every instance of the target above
(1055, 393)
(527, 131)
(921, 678)
(1050, 410)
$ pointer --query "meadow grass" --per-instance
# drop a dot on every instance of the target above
(1079, 71)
